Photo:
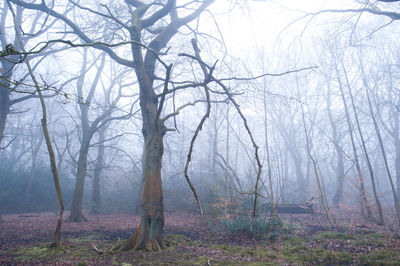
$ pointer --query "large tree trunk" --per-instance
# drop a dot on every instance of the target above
(149, 234)
(5, 103)
(4, 110)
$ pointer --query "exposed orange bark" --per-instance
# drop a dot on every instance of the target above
(149, 234)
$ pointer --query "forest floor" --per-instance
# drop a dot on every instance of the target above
(303, 239)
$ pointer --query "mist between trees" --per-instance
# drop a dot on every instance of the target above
(151, 108)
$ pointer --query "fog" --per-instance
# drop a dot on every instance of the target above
(276, 103)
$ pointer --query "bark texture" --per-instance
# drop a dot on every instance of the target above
(76, 206)
(5, 102)
(95, 208)
(149, 234)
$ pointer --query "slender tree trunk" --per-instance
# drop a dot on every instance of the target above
(226, 174)
(54, 170)
(363, 197)
(321, 188)
(88, 131)
(215, 146)
(300, 177)
(290, 142)
(371, 172)
(76, 214)
(339, 178)
(97, 173)
(398, 167)
(378, 135)
(340, 159)
(396, 137)
(274, 212)
(53, 164)
(35, 150)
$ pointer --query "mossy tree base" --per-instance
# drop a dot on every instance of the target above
(148, 236)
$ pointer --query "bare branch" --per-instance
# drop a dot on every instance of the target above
(110, 16)
(8, 144)
(390, 14)
(161, 105)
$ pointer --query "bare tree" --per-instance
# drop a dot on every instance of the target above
(53, 164)
(371, 171)
(9, 59)
(381, 145)
(146, 20)
(363, 197)
(339, 151)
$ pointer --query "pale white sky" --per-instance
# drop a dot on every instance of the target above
(262, 21)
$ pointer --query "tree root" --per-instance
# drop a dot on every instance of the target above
(101, 252)
(53, 245)
(133, 243)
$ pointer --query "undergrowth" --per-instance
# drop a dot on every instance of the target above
(235, 217)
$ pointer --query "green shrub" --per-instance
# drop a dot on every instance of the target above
(236, 217)
(262, 227)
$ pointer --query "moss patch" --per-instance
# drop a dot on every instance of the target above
(325, 248)
(323, 256)
(370, 239)
(77, 250)
(381, 257)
